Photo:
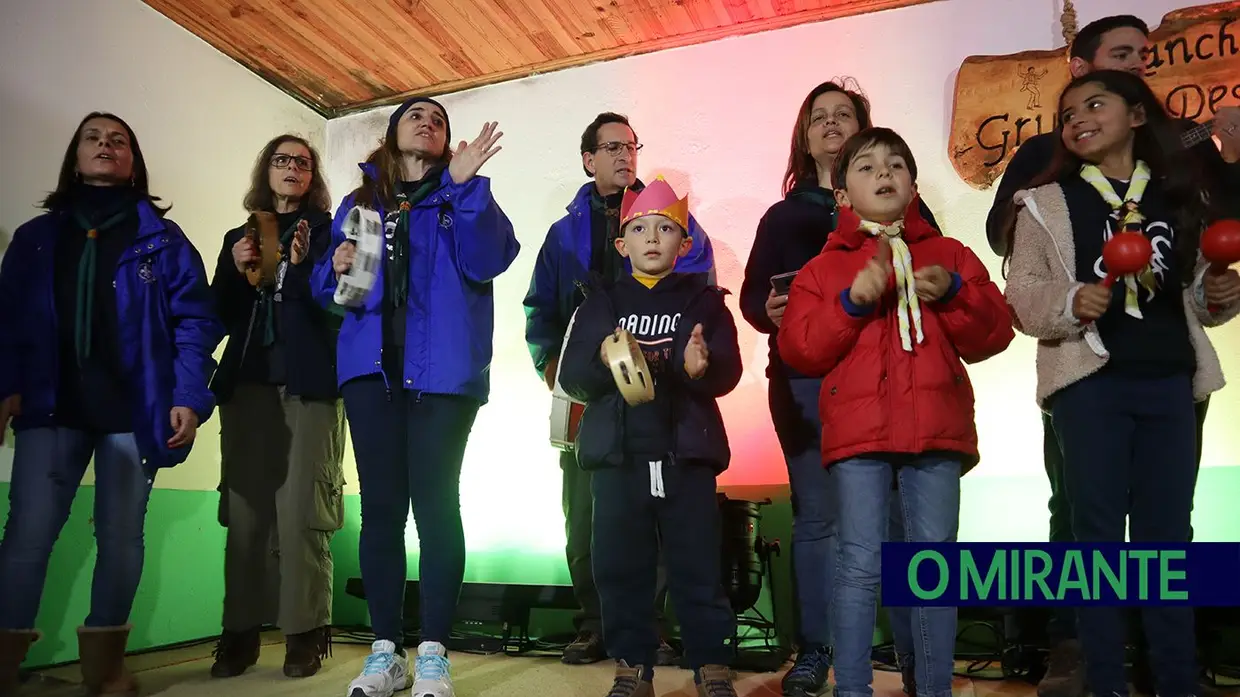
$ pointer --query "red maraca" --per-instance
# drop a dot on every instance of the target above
(1220, 245)
(1124, 254)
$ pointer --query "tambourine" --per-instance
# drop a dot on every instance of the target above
(628, 367)
(262, 230)
(364, 228)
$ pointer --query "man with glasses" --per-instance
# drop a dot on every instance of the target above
(577, 245)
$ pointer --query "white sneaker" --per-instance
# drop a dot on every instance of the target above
(430, 671)
(385, 672)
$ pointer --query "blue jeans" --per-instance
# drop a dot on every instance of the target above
(48, 465)
(929, 494)
(900, 618)
(794, 411)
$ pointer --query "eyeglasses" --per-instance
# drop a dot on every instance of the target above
(282, 161)
(614, 148)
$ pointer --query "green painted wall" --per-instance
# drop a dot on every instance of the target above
(182, 587)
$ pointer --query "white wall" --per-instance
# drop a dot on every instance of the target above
(200, 117)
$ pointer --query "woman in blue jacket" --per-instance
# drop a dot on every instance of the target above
(413, 365)
(106, 334)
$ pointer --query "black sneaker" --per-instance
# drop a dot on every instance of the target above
(809, 674)
(586, 648)
(665, 655)
(908, 675)
(1065, 675)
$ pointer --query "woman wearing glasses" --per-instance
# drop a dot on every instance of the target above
(281, 423)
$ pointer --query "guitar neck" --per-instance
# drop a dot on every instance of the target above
(1199, 133)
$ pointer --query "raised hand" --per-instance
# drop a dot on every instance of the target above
(1091, 302)
(871, 282)
(932, 282)
(244, 253)
(301, 242)
(342, 258)
(697, 355)
(469, 157)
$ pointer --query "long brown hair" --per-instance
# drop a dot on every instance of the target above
(261, 198)
(62, 197)
(1158, 143)
(386, 159)
(802, 170)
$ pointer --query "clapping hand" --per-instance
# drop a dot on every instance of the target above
(871, 282)
(932, 282)
(301, 242)
(469, 157)
(697, 355)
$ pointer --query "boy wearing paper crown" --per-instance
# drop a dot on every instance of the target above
(654, 463)
(889, 313)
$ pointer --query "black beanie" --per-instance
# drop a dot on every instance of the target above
(400, 111)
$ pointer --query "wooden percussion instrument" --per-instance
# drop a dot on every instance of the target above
(628, 367)
(364, 228)
(263, 232)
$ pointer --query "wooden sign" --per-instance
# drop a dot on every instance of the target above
(1192, 63)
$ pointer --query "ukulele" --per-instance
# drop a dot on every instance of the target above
(1199, 133)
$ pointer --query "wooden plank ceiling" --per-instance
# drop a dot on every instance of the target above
(341, 56)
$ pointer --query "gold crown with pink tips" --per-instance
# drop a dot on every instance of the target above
(656, 199)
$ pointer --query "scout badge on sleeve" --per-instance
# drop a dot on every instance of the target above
(261, 230)
(628, 367)
(364, 229)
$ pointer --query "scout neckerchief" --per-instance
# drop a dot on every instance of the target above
(1129, 218)
(87, 267)
(906, 286)
(267, 298)
(397, 271)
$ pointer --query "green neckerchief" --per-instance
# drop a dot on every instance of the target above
(266, 297)
(87, 267)
(397, 271)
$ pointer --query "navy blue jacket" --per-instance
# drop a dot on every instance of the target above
(698, 433)
(308, 332)
(168, 329)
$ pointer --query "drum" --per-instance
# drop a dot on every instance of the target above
(628, 368)
(565, 422)
(364, 228)
(263, 232)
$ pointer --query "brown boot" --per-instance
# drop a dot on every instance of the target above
(13, 646)
(304, 653)
(235, 653)
(629, 682)
(102, 652)
(716, 681)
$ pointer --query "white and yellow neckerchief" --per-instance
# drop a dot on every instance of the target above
(906, 287)
(1128, 216)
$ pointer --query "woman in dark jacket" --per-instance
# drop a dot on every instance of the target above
(106, 335)
(281, 421)
(792, 232)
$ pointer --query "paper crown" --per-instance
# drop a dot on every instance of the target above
(656, 199)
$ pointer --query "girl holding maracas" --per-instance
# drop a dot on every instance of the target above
(1122, 355)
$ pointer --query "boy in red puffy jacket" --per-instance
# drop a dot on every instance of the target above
(888, 314)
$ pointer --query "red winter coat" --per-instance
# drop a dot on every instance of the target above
(876, 397)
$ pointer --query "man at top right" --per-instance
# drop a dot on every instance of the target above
(1112, 43)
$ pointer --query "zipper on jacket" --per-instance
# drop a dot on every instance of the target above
(387, 386)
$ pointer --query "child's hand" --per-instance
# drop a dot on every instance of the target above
(697, 355)
(1091, 302)
(1222, 288)
(932, 282)
(871, 282)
